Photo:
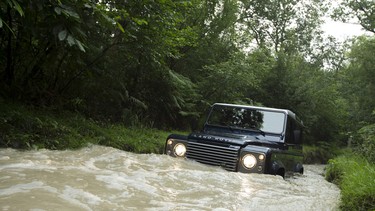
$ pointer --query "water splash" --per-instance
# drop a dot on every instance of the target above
(103, 178)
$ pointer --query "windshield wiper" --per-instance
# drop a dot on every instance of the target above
(231, 128)
(257, 130)
(251, 129)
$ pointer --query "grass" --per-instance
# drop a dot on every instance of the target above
(26, 127)
(356, 178)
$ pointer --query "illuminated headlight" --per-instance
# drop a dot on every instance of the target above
(170, 141)
(261, 157)
(179, 150)
(249, 161)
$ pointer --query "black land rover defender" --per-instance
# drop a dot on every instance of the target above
(246, 139)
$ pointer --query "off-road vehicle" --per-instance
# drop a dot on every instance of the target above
(246, 139)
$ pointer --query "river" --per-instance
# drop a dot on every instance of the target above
(104, 178)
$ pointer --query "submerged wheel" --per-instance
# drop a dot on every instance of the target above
(298, 168)
(281, 172)
(301, 171)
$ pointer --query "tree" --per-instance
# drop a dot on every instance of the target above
(282, 25)
(40, 43)
(236, 80)
(358, 87)
(359, 83)
(363, 10)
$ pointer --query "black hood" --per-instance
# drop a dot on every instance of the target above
(233, 139)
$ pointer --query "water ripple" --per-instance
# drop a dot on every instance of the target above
(103, 178)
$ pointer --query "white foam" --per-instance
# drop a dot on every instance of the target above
(103, 178)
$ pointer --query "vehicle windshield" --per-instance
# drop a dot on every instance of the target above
(247, 118)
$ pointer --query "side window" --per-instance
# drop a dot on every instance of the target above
(289, 131)
(293, 132)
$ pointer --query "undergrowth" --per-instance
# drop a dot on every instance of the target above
(25, 127)
(356, 178)
(319, 154)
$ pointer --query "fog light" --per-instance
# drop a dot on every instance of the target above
(179, 150)
(261, 157)
(249, 161)
(170, 141)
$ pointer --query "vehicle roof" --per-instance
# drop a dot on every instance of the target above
(286, 111)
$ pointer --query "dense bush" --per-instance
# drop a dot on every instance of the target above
(355, 177)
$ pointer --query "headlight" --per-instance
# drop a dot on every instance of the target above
(179, 150)
(249, 161)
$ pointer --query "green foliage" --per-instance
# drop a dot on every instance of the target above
(31, 128)
(366, 145)
(22, 129)
(363, 10)
(68, 50)
(355, 177)
(138, 140)
(234, 78)
(359, 83)
(319, 154)
(282, 25)
(161, 63)
(10, 5)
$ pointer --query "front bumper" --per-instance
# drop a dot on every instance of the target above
(229, 157)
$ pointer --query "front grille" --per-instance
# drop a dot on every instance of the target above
(225, 157)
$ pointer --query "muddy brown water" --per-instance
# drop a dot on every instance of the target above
(103, 178)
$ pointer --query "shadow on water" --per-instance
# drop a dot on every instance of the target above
(103, 178)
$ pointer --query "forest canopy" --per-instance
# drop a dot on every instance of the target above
(161, 63)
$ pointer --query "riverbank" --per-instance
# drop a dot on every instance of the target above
(355, 176)
(26, 127)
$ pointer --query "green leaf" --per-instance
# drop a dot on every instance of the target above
(140, 21)
(70, 40)
(120, 27)
(80, 46)
(107, 18)
(1, 23)
(71, 14)
(17, 7)
(58, 10)
(81, 33)
(62, 35)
